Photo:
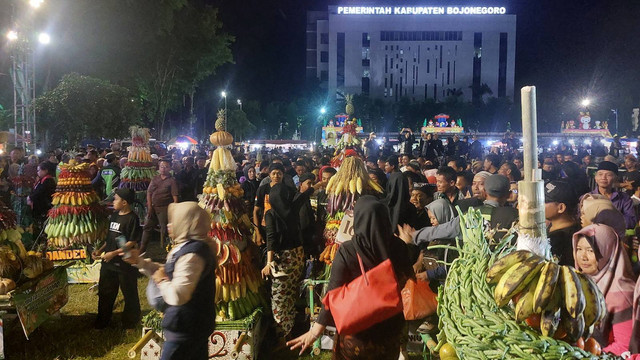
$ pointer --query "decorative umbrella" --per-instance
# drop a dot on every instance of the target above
(183, 139)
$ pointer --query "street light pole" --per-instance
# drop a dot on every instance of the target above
(615, 112)
(224, 95)
(240, 104)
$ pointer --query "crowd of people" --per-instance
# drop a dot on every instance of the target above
(592, 204)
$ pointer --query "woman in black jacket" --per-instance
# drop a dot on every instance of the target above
(285, 255)
(42, 194)
(250, 187)
(374, 242)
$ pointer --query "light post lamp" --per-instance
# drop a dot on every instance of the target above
(586, 102)
(615, 112)
(224, 95)
(240, 104)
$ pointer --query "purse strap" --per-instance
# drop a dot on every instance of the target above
(364, 273)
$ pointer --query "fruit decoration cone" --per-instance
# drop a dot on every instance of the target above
(139, 169)
(238, 281)
(349, 144)
(343, 190)
(76, 218)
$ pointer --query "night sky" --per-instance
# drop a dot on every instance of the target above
(569, 49)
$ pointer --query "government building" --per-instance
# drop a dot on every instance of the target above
(419, 52)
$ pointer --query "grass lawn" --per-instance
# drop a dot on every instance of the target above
(71, 335)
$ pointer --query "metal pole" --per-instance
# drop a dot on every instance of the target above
(225, 113)
(15, 102)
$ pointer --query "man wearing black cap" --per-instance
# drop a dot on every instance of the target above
(124, 233)
(560, 206)
(606, 179)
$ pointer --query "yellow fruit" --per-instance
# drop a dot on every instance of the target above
(447, 352)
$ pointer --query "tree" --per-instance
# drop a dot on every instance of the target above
(82, 106)
(184, 56)
(239, 125)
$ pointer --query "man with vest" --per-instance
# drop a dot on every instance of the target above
(110, 174)
(499, 217)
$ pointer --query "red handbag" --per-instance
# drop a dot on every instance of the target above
(367, 300)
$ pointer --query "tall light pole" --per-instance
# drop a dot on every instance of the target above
(224, 95)
(23, 77)
(615, 112)
(240, 104)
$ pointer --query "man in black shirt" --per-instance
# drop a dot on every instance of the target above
(124, 233)
(559, 209)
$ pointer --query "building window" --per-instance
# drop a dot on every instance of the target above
(340, 50)
(366, 40)
(477, 66)
(440, 56)
(366, 62)
(386, 83)
(435, 91)
(502, 66)
(324, 38)
(428, 65)
(454, 71)
(324, 75)
(324, 56)
(365, 86)
(448, 72)
(420, 35)
(386, 63)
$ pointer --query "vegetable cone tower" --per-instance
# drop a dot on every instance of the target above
(76, 218)
(139, 169)
(343, 190)
(238, 281)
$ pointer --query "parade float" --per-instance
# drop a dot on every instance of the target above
(139, 169)
(584, 127)
(342, 130)
(442, 124)
(240, 294)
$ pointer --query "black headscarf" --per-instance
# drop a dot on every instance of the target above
(398, 195)
(372, 230)
(281, 200)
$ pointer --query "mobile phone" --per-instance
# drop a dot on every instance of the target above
(122, 243)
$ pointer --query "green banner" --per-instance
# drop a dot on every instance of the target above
(38, 300)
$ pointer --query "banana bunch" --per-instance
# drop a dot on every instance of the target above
(222, 160)
(348, 184)
(471, 321)
(14, 238)
(74, 198)
(561, 296)
(139, 154)
(74, 167)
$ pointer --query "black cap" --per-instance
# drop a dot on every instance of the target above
(497, 185)
(307, 176)
(126, 194)
(560, 192)
(608, 165)
(110, 156)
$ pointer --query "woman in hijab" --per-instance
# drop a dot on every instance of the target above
(374, 241)
(399, 201)
(599, 253)
(439, 212)
(186, 283)
(285, 254)
(250, 187)
(598, 209)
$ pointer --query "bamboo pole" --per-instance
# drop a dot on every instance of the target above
(532, 232)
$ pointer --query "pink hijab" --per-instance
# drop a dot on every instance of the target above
(615, 277)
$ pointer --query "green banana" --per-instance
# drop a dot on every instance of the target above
(500, 266)
(592, 307)
(573, 326)
(573, 295)
(516, 279)
(524, 306)
(545, 286)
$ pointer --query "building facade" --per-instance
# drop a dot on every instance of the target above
(421, 53)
